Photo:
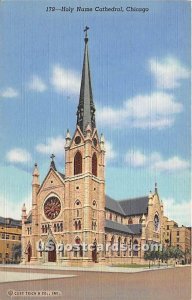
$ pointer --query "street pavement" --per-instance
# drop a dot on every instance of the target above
(164, 284)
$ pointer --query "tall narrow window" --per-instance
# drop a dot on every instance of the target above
(78, 163)
(94, 164)
(130, 221)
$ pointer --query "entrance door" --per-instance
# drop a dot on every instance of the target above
(29, 253)
(52, 254)
(94, 252)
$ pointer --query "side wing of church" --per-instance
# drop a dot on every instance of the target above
(71, 219)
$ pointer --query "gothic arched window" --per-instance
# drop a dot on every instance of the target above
(94, 164)
(79, 225)
(76, 225)
(130, 221)
(78, 163)
(135, 248)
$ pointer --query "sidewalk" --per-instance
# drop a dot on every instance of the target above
(97, 268)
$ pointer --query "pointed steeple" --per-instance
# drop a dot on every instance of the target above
(86, 107)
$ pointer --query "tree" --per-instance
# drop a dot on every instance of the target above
(177, 253)
(147, 256)
(16, 253)
(150, 255)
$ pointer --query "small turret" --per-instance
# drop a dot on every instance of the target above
(35, 183)
(24, 214)
(150, 198)
(156, 191)
(67, 139)
(102, 142)
(35, 175)
(143, 219)
(162, 207)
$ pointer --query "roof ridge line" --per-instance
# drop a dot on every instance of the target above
(146, 196)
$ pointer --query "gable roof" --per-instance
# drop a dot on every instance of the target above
(61, 176)
(114, 226)
(129, 207)
(135, 228)
(136, 206)
(113, 205)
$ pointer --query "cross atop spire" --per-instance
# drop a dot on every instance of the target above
(86, 107)
(86, 36)
(52, 157)
(52, 165)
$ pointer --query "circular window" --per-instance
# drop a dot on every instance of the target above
(52, 208)
(77, 140)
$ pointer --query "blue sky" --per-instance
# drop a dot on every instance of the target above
(141, 84)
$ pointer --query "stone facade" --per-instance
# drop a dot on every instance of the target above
(70, 210)
(10, 236)
(177, 236)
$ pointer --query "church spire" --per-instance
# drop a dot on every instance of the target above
(86, 107)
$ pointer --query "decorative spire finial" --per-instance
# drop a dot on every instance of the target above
(86, 36)
(35, 175)
(52, 166)
(52, 157)
(156, 187)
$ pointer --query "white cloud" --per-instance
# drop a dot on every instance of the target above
(53, 145)
(174, 163)
(37, 84)
(178, 211)
(168, 72)
(156, 110)
(18, 155)
(110, 152)
(155, 161)
(136, 158)
(65, 80)
(9, 92)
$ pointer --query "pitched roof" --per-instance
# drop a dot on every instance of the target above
(136, 206)
(129, 207)
(113, 205)
(118, 227)
(135, 228)
(114, 226)
(8, 222)
(62, 175)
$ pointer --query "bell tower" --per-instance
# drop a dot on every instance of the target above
(84, 172)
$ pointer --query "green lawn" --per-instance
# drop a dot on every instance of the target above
(130, 265)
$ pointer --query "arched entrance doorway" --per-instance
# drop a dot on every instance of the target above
(94, 251)
(52, 252)
(29, 253)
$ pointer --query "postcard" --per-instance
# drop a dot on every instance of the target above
(95, 150)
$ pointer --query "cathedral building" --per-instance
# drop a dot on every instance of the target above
(71, 210)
